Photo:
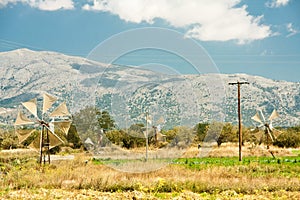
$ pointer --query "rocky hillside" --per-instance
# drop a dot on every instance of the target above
(129, 92)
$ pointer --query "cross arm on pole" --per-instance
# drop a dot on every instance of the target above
(239, 83)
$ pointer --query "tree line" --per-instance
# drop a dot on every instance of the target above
(102, 131)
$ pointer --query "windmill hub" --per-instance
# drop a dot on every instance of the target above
(43, 123)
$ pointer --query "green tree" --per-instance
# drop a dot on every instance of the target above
(179, 135)
(221, 133)
(87, 125)
(8, 139)
(289, 138)
(131, 138)
(105, 120)
(201, 130)
(73, 137)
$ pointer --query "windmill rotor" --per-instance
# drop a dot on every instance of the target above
(270, 132)
(59, 118)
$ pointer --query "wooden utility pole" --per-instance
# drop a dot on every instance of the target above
(147, 119)
(239, 116)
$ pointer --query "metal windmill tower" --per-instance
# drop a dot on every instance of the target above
(270, 133)
(47, 123)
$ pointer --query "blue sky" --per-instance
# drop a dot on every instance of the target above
(258, 37)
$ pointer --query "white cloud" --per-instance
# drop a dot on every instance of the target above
(49, 5)
(207, 20)
(292, 31)
(277, 3)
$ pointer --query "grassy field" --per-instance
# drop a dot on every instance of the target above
(212, 177)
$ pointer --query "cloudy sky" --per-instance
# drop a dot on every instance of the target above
(259, 37)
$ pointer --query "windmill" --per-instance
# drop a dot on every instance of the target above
(157, 130)
(270, 133)
(47, 123)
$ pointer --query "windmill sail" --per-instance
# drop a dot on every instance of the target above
(257, 118)
(53, 138)
(60, 111)
(22, 120)
(88, 141)
(23, 134)
(274, 115)
(161, 120)
(35, 144)
(48, 101)
(276, 133)
(148, 119)
(64, 126)
(31, 106)
(269, 133)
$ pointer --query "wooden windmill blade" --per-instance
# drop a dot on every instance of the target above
(31, 106)
(269, 132)
(257, 118)
(263, 116)
(22, 120)
(259, 136)
(60, 111)
(275, 132)
(274, 115)
(148, 119)
(23, 134)
(48, 101)
(35, 144)
(54, 140)
(64, 126)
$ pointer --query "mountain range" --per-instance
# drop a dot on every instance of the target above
(130, 94)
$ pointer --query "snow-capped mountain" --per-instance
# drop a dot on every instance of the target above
(129, 92)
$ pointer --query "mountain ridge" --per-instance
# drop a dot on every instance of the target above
(26, 74)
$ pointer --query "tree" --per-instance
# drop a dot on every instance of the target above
(89, 123)
(8, 139)
(201, 130)
(289, 138)
(105, 120)
(221, 132)
(179, 135)
(73, 137)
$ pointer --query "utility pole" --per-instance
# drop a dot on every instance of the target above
(239, 116)
(147, 119)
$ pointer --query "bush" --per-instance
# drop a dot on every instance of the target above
(221, 133)
(289, 138)
(8, 140)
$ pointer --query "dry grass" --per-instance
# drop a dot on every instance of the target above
(92, 194)
(231, 149)
(78, 179)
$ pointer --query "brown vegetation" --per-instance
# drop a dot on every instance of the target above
(23, 178)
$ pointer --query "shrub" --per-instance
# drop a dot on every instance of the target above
(8, 140)
(289, 138)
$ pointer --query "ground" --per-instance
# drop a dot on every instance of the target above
(219, 175)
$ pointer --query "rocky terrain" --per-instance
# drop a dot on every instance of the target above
(129, 92)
